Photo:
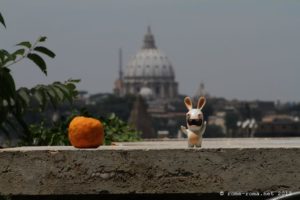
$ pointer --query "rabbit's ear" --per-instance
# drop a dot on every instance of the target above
(201, 103)
(188, 103)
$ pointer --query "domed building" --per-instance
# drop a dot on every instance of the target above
(150, 72)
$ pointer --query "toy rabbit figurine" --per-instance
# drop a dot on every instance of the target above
(195, 123)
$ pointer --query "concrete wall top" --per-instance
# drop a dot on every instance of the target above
(256, 165)
(208, 143)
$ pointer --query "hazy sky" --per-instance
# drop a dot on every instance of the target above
(241, 49)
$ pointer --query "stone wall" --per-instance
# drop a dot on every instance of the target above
(150, 169)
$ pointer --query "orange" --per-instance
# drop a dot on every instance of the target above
(86, 132)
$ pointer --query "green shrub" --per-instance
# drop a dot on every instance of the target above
(15, 102)
(115, 130)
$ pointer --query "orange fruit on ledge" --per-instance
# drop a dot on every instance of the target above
(86, 132)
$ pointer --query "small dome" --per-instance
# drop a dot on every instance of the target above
(146, 93)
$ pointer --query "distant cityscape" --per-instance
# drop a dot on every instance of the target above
(225, 118)
(159, 111)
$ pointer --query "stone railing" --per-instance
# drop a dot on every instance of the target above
(165, 167)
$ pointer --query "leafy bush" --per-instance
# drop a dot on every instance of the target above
(115, 130)
(15, 102)
(44, 135)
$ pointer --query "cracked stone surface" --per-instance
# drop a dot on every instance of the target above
(153, 167)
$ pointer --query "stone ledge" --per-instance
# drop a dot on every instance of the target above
(153, 168)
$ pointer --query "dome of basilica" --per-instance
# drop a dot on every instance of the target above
(150, 63)
(150, 68)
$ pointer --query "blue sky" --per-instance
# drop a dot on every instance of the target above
(240, 49)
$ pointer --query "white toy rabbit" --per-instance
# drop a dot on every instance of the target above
(195, 122)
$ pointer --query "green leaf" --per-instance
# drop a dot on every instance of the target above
(8, 88)
(20, 105)
(45, 51)
(40, 96)
(73, 80)
(25, 44)
(53, 99)
(55, 95)
(58, 93)
(42, 39)
(72, 89)
(112, 116)
(5, 57)
(38, 61)
(19, 52)
(64, 90)
(4, 111)
(2, 54)
(71, 86)
(62, 87)
(24, 94)
(2, 20)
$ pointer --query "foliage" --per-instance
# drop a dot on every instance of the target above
(115, 130)
(49, 134)
(14, 102)
(41, 135)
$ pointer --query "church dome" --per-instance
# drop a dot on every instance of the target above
(150, 72)
(149, 62)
